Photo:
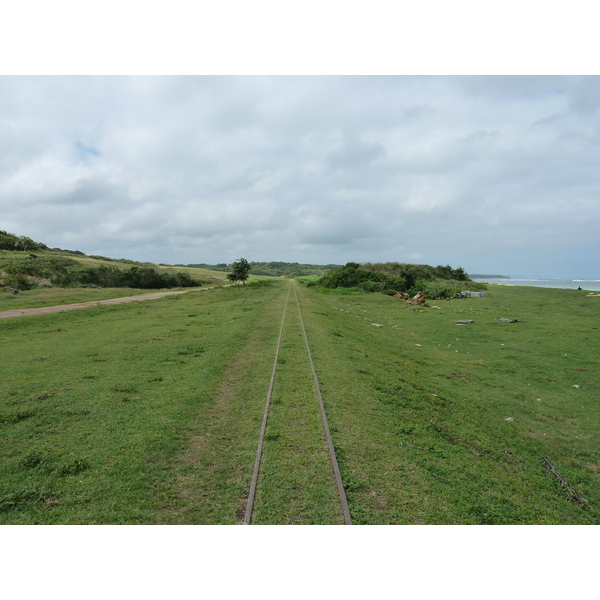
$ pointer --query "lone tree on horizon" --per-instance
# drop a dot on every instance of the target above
(241, 268)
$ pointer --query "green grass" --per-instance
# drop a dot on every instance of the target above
(149, 412)
(40, 297)
(419, 405)
(296, 484)
(99, 406)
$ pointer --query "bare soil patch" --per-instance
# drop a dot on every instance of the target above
(26, 312)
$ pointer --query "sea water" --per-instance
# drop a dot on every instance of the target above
(549, 282)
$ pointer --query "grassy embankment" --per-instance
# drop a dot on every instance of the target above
(149, 413)
(40, 296)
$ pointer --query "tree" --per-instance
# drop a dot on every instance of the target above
(241, 268)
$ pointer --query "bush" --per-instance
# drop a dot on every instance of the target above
(391, 278)
(134, 277)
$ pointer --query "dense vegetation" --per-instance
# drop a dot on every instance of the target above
(22, 269)
(26, 264)
(65, 272)
(10, 241)
(391, 278)
(273, 269)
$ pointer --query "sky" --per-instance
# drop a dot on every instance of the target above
(495, 174)
(321, 131)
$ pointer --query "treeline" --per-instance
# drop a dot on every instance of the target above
(31, 273)
(134, 277)
(272, 269)
(10, 241)
(392, 278)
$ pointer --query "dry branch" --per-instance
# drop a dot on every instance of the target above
(403, 443)
(576, 495)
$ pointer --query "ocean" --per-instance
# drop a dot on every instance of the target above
(548, 282)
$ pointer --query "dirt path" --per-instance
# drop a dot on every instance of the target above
(25, 312)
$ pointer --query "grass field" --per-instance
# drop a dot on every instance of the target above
(150, 412)
(444, 423)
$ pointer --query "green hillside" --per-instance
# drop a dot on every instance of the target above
(26, 265)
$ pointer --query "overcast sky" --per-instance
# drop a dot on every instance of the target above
(494, 174)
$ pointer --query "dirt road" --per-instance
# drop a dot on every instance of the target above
(25, 312)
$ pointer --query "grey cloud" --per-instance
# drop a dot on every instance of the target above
(308, 169)
(585, 99)
(352, 155)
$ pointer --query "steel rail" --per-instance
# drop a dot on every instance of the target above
(261, 439)
(334, 462)
(336, 469)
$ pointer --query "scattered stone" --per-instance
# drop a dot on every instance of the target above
(421, 345)
(465, 322)
(419, 298)
(376, 325)
(576, 387)
(509, 419)
(508, 320)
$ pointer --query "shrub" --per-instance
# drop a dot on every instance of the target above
(391, 278)
(134, 277)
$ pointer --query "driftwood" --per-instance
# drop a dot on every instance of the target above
(403, 443)
(576, 495)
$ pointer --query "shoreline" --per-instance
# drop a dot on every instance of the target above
(591, 285)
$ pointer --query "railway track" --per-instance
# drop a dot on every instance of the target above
(318, 400)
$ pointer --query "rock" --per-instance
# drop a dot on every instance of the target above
(419, 298)
(465, 322)
(376, 325)
(509, 419)
(508, 320)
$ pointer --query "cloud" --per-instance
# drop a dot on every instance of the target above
(468, 171)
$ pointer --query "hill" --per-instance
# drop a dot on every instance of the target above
(26, 264)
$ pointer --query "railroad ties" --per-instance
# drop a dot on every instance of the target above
(260, 458)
